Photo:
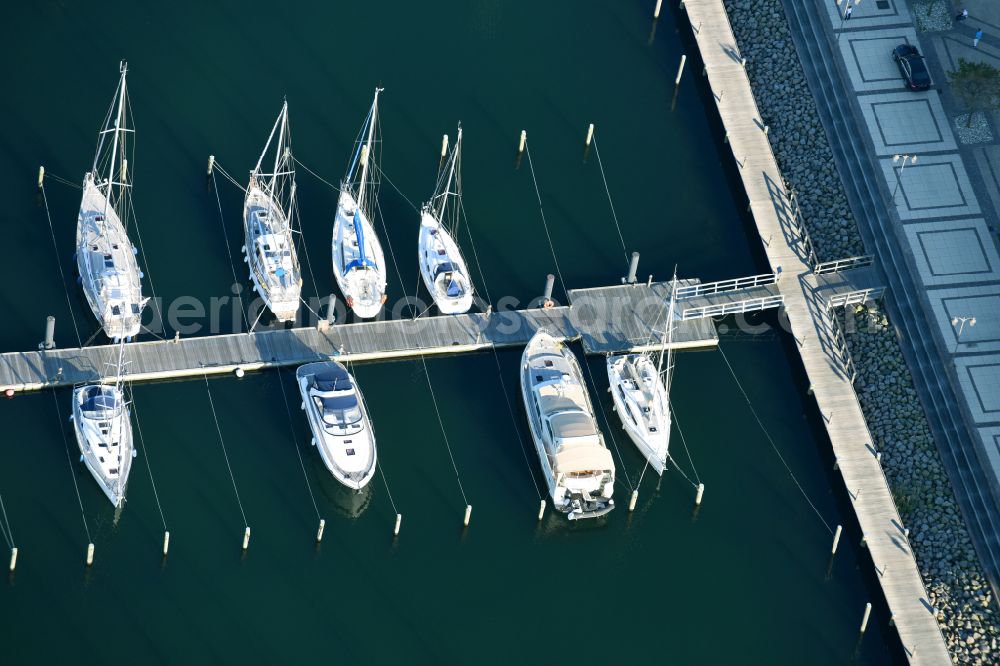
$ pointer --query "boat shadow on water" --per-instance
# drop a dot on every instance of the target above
(348, 502)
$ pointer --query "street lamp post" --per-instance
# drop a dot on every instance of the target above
(843, 14)
(961, 322)
(912, 159)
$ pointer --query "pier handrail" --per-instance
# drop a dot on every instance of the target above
(855, 297)
(848, 263)
(704, 289)
(739, 307)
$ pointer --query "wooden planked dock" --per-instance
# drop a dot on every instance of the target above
(621, 318)
(813, 328)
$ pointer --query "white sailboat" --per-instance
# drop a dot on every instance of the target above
(577, 465)
(358, 262)
(339, 422)
(640, 389)
(268, 211)
(103, 427)
(441, 263)
(105, 258)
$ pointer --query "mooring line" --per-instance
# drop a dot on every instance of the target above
(225, 240)
(771, 441)
(218, 429)
(680, 431)
(8, 532)
(72, 473)
(614, 215)
(62, 275)
(545, 224)
(145, 456)
(291, 428)
(444, 433)
(316, 175)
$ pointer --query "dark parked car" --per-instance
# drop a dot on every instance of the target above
(911, 66)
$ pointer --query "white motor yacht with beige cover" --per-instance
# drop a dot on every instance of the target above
(577, 466)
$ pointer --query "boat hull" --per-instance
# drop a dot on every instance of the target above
(648, 430)
(333, 447)
(363, 287)
(578, 497)
(110, 464)
(276, 276)
(106, 263)
(433, 239)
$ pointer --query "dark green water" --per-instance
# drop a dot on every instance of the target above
(745, 581)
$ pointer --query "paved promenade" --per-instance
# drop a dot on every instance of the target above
(813, 328)
(948, 230)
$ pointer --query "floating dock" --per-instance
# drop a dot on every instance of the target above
(620, 318)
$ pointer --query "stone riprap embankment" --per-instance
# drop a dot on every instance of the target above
(940, 540)
(796, 133)
(948, 564)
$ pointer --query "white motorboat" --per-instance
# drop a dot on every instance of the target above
(640, 389)
(577, 465)
(358, 262)
(268, 214)
(105, 258)
(441, 263)
(103, 429)
(339, 422)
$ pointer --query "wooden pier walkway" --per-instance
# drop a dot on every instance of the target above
(620, 318)
(814, 331)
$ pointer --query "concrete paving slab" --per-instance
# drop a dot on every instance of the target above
(907, 122)
(979, 378)
(981, 302)
(934, 186)
(869, 13)
(953, 252)
(868, 56)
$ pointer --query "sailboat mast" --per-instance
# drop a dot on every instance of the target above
(119, 121)
(267, 145)
(668, 334)
(279, 153)
(453, 163)
(368, 152)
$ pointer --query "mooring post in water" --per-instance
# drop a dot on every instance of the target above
(701, 491)
(836, 539)
(468, 515)
(523, 141)
(550, 282)
(656, 12)
(319, 532)
(399, 519)
(680, 70)
(632, 500)
(41, 176)
(13, 559)
(50, 333)
(590, 135)
(444, 146)
(90, 554)
(633, 266)
(541, 509)
(864, 619)
(211, 165)
(246, 538)
(166, 543)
